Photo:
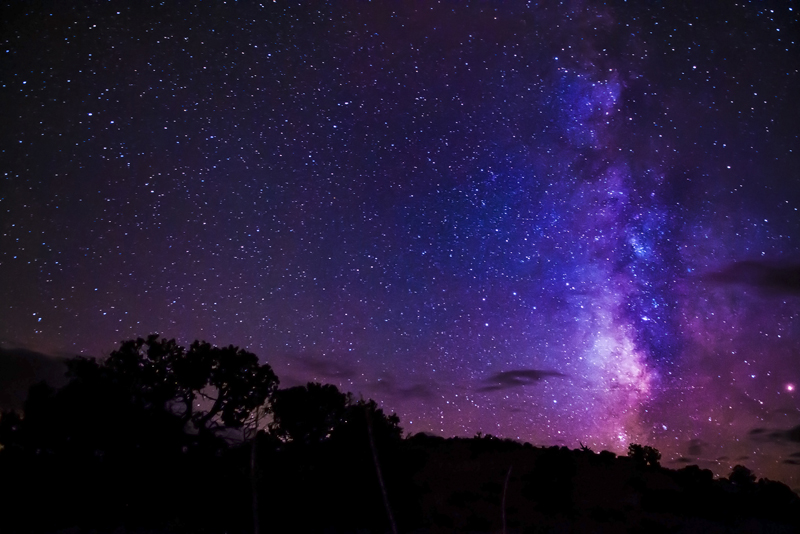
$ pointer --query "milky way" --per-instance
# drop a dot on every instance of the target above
(560, 222)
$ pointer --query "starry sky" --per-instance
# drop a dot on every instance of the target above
(559, 222)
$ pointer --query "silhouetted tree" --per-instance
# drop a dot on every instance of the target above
(139, 442)
(127, 436)
(318, 435)
(644, 455)
(385, 428)
(209, 387)
(315, 413)
(742, 477)
(308, 414)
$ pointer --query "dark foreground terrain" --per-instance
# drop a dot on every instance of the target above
(433, 485)
(162, 439)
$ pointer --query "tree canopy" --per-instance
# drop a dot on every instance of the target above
(207, 386)
(149, 394)
(316, 413)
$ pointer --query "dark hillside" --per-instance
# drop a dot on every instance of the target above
(162, 439)
(552, 489)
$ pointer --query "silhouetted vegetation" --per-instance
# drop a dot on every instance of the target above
(644, 455)
(159, 438)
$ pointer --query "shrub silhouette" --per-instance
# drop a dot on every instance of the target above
(124, 438)
(308, 414)
(644, 455)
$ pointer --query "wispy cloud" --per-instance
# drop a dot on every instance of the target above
(696, 447)
(768, 277)
(517, 378)
(765, 435)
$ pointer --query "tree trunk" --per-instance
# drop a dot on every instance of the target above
(378, 469)
(254, 479)
(505, 490)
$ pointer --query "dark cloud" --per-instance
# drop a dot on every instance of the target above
(776, 436)
(516, 378)
(418, 391)
(386, 387)
(795, 455)
(696, 447)
(20, 368)
(316, 369)
(793, 434)
(765, 276)
(684, 460)
(791, 462)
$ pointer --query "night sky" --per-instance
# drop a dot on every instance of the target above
(558, 222)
